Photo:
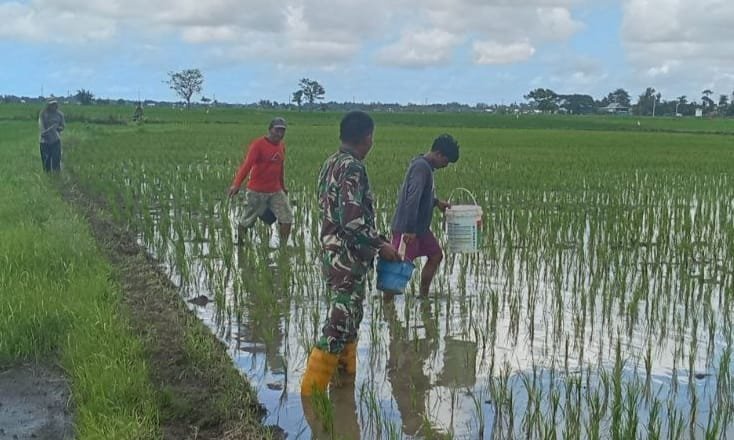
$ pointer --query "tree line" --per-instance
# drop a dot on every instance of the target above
(649, 103)
(310, 94)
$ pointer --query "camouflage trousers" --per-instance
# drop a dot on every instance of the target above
(344, 318)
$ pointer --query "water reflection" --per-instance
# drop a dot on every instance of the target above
(409, 352)
(541, 316)
(335, 416)
(266, 305)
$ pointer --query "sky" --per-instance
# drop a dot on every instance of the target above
(405, 51)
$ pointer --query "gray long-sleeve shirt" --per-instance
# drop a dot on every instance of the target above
(416, 199)
(49, 126)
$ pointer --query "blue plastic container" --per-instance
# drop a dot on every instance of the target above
(393, 276)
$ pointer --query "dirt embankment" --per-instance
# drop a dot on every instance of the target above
(202, 394)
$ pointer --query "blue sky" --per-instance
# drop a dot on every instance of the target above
(470, 51)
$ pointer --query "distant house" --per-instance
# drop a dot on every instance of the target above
(615, 108)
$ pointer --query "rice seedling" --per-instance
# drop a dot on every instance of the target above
(601, 289)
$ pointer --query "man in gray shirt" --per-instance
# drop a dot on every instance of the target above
(50, 125)
(412, 220)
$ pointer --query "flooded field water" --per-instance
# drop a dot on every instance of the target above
(554, 327)
(598, 306)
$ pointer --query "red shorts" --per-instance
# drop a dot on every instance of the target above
(424, 245)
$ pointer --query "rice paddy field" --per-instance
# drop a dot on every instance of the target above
(598, 306)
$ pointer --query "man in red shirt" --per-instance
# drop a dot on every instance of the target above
(264, 164)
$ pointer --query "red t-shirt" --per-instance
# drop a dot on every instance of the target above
(264, 163)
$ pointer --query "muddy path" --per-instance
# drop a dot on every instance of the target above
(34, 403)
(202, 395)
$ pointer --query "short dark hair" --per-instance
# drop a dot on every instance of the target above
(447, 146)
(355, 126)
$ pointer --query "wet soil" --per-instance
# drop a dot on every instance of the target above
(202, 397)
(34, 403)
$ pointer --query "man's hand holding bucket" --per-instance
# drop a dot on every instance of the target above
(389, 253)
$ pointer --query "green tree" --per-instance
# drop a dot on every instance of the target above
(723, 104)
(620, 96)
(708, 103)
(186, 83)
(85, 97)
(544, 99)
(298, 98)
(647, 102)
(311, 90)
(577, 104)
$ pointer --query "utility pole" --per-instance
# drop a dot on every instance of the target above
(655, 98)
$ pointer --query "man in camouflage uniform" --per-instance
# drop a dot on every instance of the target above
(350, 242)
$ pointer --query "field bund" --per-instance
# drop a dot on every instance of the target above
(599, 305)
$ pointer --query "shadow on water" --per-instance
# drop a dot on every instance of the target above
(562, 326)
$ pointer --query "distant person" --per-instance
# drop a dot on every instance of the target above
(138, 114)
(264, 163)
(349, 242)
(50, 124)
(414, 213)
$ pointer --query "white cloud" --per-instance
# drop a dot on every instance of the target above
(566, 72)
(419, 49)
(315, 51)
(210, 34)
(25, 22)
(500, 31)
(491, 52)
(359, 18)
(412, 33)
(672, 42)
(662, 70)
(556, 23)
(531, 20)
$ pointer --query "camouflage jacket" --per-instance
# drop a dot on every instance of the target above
(349, 239)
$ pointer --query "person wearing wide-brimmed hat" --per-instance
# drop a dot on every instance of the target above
(50, 124)
(264, 163)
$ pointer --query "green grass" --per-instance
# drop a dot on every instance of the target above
(578, 204)
(617, 235)
(116, 114)
(58, 303)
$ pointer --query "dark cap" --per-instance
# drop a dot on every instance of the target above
(278, 122)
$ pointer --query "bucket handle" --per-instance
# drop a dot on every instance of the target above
(466, 191)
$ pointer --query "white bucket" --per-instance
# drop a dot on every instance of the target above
(463, 224)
